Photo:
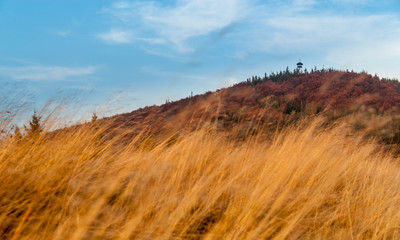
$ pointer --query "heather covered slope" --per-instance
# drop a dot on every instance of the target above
(278, 100)
(337, 89)
(323, 90)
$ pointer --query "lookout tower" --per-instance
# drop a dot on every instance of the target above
(299, 65)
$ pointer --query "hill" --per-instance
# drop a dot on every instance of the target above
(373, 104)
(96, 181)
(207, 167)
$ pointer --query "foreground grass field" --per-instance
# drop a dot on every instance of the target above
(304, 183)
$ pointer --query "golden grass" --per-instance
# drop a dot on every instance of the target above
(305, 183)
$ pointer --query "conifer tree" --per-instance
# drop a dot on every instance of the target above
(34, 125)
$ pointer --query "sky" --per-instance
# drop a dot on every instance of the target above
(130, 54)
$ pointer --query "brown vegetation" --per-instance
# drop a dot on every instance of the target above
(277, 101)
(260, 160)
(304, 183)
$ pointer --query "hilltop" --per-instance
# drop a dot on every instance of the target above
(278, 99)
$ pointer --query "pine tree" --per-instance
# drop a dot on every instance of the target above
(34, 125)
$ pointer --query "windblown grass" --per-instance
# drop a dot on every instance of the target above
(305, 183)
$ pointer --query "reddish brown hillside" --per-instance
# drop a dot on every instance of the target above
(267, 101)
(337, 89)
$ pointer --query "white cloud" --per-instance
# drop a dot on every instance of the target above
(44, 73)
(116, 36)
(313, 31)
(121, 5)
(287, 24)
(355, 2)
(358, 42)
(379, 58)
(151, 40)
(338, 32)
(185, 20)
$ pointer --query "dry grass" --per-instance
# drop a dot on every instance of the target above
(305, 183)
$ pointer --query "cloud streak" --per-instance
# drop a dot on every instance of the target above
(181, 22)
(331, 30)
(360, 41)
(116, 36)
(44, 73)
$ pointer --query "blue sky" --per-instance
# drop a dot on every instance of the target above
(136, 53)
